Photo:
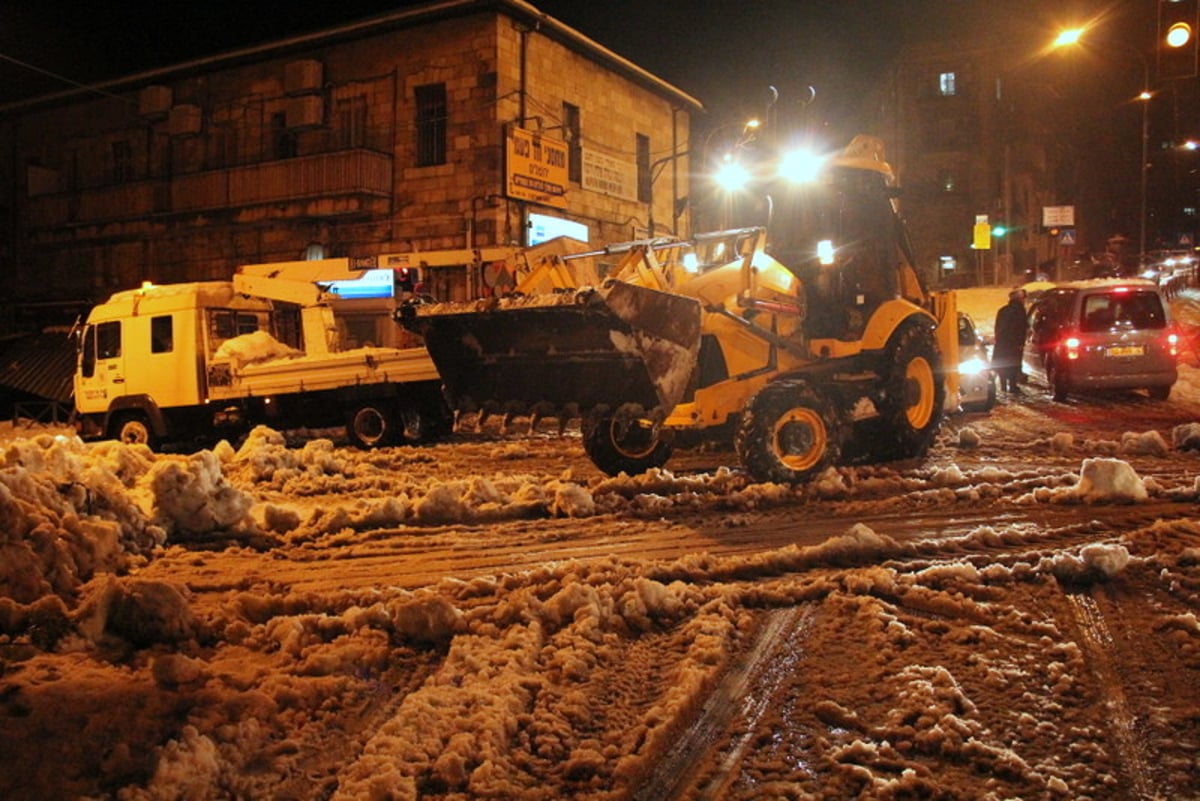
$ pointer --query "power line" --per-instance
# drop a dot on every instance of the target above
(62, 78)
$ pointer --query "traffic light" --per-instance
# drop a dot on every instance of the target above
(1176, 45)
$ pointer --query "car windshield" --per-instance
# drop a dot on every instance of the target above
(1122, 309)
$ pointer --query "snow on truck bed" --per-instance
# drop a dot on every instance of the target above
(262, 365)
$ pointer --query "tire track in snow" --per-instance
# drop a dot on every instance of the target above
(1097, 642)
(743, 695)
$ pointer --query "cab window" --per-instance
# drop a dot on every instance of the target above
(162, 334)
(108, 340)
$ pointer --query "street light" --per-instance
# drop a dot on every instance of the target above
(1073, 36)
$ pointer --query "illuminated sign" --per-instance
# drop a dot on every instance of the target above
(536, 168)
(375, 283)
(543, 228)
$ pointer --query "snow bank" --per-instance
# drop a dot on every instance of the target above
(70, 513)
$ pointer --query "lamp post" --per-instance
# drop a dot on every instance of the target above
(655, 170)
(729, 175)
(1074, 36)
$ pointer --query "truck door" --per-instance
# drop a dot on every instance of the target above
(101, 374)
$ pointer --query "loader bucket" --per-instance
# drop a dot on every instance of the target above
(568, 352)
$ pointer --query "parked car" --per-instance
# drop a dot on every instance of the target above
(976, 380)
(1105, 334)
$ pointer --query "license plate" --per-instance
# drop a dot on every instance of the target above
(1125, 350)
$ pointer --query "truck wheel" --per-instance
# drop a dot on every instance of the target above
(133, 428)
(622, 445)
(372, 426)
(789, 433)
(914, 393)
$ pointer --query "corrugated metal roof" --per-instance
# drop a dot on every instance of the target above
(42, 365)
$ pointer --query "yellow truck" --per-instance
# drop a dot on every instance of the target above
(192, 362)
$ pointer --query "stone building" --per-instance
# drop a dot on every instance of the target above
(452, 125)
(965, 135)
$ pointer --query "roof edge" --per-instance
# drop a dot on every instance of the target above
(517, 9)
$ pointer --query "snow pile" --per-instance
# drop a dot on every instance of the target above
(69, 512)
(66, 516)
(1186, 437)
(520, 677)
(192, 496)
(1111, 480)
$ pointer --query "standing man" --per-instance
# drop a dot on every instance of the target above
(1010, 330)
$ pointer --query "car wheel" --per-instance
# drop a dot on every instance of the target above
(1057, 380)
(1160, 393)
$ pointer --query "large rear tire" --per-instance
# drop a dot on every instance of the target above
(619, 444)
(914, 393)
(789, 433)
(373, 425)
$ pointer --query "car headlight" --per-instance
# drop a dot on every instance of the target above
(972, 367)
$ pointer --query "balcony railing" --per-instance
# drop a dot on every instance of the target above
(349, 172)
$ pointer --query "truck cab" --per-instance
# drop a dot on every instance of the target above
(145, 351)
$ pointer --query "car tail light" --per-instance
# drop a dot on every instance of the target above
(1071, 347)
(1173, 343)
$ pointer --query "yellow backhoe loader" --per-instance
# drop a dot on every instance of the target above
(818, 342)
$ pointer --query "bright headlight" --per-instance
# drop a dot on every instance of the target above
(973, 366)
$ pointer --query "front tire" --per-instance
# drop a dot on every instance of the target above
(133, 428)
(789, 433)
(914, 393)
(618, 444)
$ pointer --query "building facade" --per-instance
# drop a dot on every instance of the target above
(965, 135)
(456, 125)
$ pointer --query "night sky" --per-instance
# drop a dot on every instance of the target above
(722, 52)
(726, 53)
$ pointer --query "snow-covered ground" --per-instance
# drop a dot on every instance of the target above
(492, 618)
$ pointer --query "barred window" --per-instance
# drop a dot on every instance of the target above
(431, 124)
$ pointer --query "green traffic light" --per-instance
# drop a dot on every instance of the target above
(999, 230)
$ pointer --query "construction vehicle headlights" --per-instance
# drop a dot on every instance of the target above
(1179, 34)
(800, 166)
(825, 251)
(732, 176)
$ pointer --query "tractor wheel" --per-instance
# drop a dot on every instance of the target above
(619, 444)
(789, 433)
(133, 428)
(914, 394)
(373, 425)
